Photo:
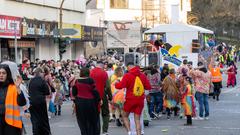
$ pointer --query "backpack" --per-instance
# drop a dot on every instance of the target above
(138, 89)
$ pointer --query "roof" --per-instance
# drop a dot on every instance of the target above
(163, 28)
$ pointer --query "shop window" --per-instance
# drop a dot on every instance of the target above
(119, 4)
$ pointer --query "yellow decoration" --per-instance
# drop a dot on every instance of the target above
(175, 50)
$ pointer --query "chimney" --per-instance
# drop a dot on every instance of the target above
(175, 14)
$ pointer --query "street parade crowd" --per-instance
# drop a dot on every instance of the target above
(105, 89)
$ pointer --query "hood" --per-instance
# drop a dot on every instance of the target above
(136, 71)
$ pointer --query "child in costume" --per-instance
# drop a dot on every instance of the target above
(188, 100)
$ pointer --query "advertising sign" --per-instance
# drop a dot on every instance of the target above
(122, 34)
(7, 26)
(36, 28)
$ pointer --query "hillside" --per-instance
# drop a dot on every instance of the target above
(221, 16)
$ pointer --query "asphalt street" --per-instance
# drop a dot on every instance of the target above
(224, 120)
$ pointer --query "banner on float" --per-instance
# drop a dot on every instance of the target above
(172, 61)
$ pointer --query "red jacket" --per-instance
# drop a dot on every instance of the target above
(100, 78)
(128, 81)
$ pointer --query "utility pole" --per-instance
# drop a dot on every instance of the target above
(60, 25)
(60, 21)
(14, 25)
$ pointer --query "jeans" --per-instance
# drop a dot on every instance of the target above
(202, 99)
(156, 103)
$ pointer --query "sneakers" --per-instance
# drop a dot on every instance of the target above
(206, 118)
(194, 118)
(111, 119)
(153, 118)
(157, 115)
(129, 133)
(200, 118)
(104, 133)
(118, 123)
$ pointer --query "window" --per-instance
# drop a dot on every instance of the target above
(120, 4)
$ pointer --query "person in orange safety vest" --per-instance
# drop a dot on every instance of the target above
(216, 79)
(11, 98)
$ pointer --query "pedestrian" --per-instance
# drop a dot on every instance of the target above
(102, 82)
(216, 79)
(48, 78)
(156, 95)
(202, 79)
(135, 83)
(180, 83)
(188, 100)
(231, 71)
(171, 93)
(71, 82)
(183, 66)
(86, 100)
(164, 72)
(11, 97)
(110, 70)
(118, 96)
(24, 112)
(59, 97)
(38, 90)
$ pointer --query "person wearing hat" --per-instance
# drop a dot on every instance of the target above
(38, 90)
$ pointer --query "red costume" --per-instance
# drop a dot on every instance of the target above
(133, 104)
(231, 76)
(100, 78)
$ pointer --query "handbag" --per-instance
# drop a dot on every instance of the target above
(51, 107)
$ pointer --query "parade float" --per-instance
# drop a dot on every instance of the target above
(176, 42)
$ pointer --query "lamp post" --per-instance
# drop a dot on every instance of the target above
(14, 25)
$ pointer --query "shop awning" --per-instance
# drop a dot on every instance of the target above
(22, 44)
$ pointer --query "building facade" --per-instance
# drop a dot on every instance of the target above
(37, 27)
(148, 13)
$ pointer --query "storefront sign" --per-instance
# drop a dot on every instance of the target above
(97, 34)
(92, 33)
(22, 44)
(87, 33)
(7, 26)
(36, 28)
(76, 27)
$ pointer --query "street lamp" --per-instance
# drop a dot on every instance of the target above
(14, 25)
